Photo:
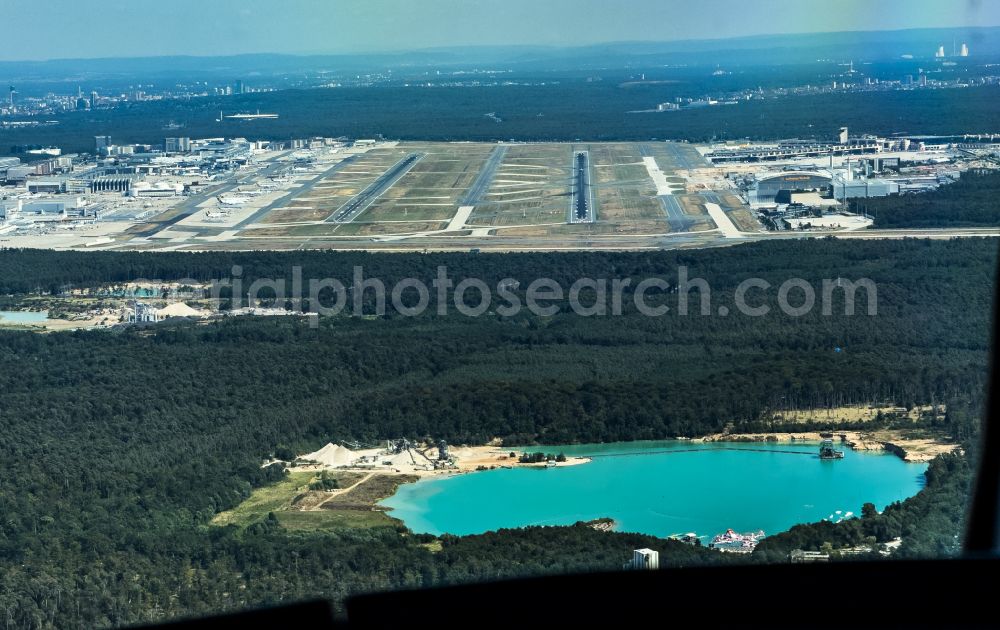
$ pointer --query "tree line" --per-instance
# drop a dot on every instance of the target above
(969, 202)
(120, 446)
(550, 111)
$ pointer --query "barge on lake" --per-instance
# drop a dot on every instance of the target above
(826, 451)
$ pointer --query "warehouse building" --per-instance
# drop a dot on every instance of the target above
(46, 186)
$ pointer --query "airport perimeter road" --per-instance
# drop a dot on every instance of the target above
(284, 199)
(483, 181)
(683, 240)
(360, 202)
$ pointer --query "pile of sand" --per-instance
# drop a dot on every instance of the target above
(333, 455)
(401, 459)
(179, 309)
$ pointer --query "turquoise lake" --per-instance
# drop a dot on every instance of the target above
(663, 488)
(23, 317)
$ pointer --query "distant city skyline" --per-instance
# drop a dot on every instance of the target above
(139, 28)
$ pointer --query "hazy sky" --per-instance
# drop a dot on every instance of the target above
(49, 29)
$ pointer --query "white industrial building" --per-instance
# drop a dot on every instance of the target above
(156, 189)
(18, 174)
(142, 313)
(27, 210)
(645, 559)
(46, 186)
(846, 187)
(177, 145)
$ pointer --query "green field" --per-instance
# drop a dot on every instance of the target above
(296, 507)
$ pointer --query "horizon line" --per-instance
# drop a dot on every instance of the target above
(431, 49)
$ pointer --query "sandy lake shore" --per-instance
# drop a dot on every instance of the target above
(908, 448)
(466, 459)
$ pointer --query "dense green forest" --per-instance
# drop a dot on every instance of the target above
(120, 446)
(558, 110)
(970, 202)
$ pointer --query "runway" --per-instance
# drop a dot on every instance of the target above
(482, 183)
(360, 202)
(678, 221)
(582, 205)
(304, 188)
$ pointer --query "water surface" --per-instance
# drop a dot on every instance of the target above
(23, 317)
(663, 488)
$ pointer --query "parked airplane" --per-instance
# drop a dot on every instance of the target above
(231, 202)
